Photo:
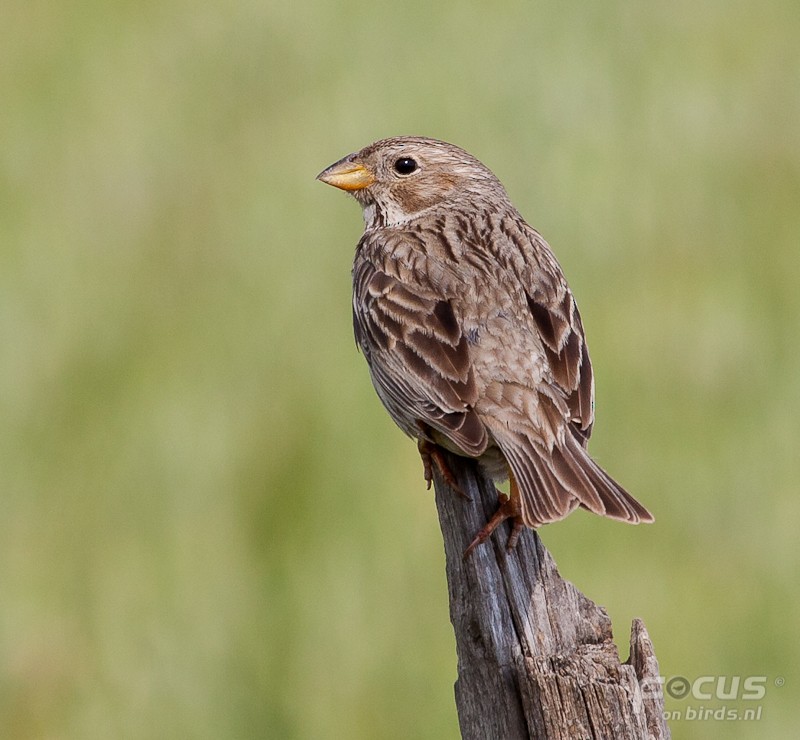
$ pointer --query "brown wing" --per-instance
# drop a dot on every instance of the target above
(418, 357)
(556, 315)
(555, 477)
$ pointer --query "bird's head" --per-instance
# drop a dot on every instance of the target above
(396, 179)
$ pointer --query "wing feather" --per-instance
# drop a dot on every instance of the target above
(558, 321)
(418, 356)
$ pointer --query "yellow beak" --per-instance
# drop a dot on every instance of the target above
(347, 174)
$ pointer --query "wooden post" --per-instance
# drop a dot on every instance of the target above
(535, 656)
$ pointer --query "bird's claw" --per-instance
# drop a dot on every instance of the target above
(432, 454)
(509, 509)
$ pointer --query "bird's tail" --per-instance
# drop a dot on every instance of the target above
(552, 483)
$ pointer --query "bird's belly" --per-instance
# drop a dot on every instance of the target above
(494, 464)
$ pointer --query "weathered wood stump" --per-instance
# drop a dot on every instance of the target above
(536, 657)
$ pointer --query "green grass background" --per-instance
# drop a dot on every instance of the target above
(209, 528)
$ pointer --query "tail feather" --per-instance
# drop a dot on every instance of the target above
(552, 483)
(544, 499)
(619, 504)
(571, 472)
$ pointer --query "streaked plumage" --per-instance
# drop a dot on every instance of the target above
(472, 336)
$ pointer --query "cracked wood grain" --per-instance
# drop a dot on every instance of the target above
(536, 657)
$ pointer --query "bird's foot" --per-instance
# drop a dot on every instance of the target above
(431, 455)
(509, 508)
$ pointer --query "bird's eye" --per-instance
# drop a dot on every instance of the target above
(405, 166)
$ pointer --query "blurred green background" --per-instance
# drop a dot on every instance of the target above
(210, 528)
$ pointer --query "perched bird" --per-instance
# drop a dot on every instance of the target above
(473, 338)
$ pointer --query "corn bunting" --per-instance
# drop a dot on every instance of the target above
(471, 333)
